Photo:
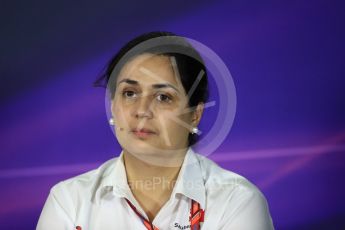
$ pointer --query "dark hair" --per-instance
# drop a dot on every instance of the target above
(188, 60)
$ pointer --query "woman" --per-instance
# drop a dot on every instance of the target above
(157, 86)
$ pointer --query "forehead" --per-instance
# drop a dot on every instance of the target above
(151, 69)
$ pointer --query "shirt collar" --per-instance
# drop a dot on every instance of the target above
(114, 183)
(189, 182)
(114, 179)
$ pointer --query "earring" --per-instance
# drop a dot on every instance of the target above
(111, 121)
(195, 130)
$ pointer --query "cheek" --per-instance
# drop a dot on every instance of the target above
(175, 121)
(119, 112)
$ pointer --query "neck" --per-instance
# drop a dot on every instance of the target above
(144, 172)
(152, 184)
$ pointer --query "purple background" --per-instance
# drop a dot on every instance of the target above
(286, 60)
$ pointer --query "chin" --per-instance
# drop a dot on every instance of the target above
(139, 147)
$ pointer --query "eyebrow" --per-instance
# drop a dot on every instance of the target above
(155, 86)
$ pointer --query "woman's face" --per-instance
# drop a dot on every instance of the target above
(150, 106)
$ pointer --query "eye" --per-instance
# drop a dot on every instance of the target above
(164, 98)
(129, 94)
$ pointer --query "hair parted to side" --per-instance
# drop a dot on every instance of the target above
(188, 61)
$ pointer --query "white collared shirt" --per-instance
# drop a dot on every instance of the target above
(96, 200)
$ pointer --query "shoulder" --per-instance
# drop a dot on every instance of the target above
(226, 186)
(70, 197)
(83, 185)
(216, 177)
(234, 196)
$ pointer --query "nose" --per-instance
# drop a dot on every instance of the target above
(143, 109)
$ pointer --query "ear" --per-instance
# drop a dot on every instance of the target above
(197, 114)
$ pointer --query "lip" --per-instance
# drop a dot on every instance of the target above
(143, 133)
(145, 130)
